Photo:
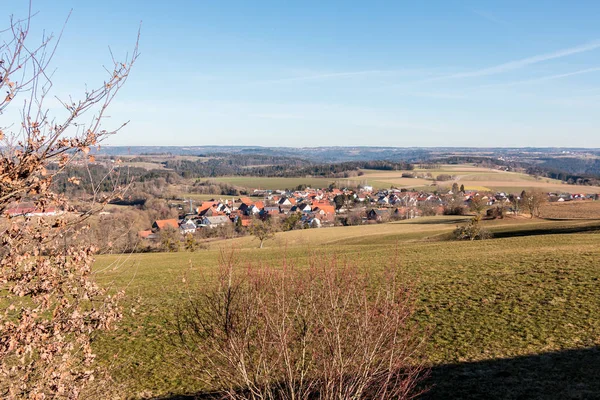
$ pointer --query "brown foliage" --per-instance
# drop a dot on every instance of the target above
(478, 204)
(170, 239)
(472, 230)
(331, 331)
(52, 307)
(533, 200)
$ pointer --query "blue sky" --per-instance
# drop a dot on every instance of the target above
(313, 73)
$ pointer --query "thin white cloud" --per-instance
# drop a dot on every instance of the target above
(518, 64)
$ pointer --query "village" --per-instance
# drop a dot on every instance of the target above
(318, 208)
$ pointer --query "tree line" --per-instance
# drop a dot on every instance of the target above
(281, 167)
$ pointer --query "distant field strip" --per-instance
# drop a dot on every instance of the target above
(274, 183)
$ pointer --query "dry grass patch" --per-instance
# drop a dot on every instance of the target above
(572, 210)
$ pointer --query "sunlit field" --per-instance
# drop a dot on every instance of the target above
(531, 290)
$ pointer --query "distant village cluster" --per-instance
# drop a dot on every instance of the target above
(316, 208)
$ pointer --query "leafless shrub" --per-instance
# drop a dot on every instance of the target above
(51, 305)
(330, 331)
(472, 230)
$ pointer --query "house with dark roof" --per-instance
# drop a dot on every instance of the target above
(213, 222)
(187, 227)
(301, 207)
(378, 214)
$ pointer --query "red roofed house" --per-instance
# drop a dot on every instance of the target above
(326, 209)
(147, 234)
(321, 203)
(165, 223)
(246, 201)
(205, 206)
(245, 221)
(326, 213)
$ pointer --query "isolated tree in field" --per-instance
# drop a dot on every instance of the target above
(262, 230)
(472, 230)
(462, 188)
(533, 201)
(455, 189)
(477, 204)
(51, 306)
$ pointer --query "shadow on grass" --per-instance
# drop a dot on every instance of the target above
(570, 374)
(546, 231)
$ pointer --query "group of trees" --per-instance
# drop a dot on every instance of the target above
(234, 164)
(573, 170)
(207, 186)
(443, 177)
(274, 166)
(533, 200)
(102, 178)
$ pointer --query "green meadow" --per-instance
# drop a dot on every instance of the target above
(531, 290)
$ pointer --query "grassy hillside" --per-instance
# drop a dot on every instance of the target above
(482, 300)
